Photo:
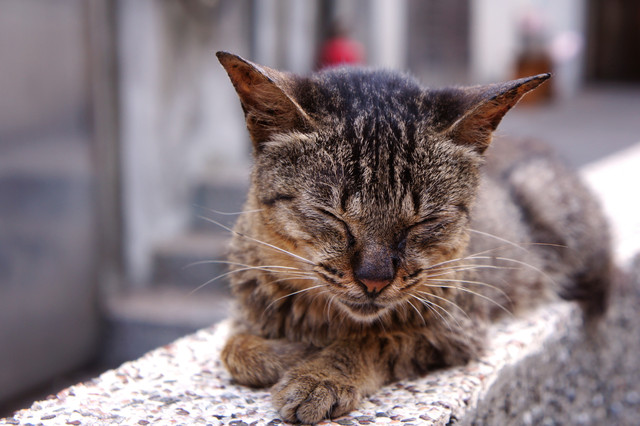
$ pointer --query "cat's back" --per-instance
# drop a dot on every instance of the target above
(537, 210)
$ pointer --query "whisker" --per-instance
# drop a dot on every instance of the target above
(459, 259)
(484, 252)
(327, 307)
(206, 283)
(293, 294)
(471, 292)
(381, 322)
(493, 287)
(281, 272)
(215, 222)
(222, 276)
(446, 262)
(446, 300)
(293, 277)
(418, 312)
(227, 213)
(514, 244)
(465, 336)
(267, 268)
(248, 268)
(511, 243)
(468, 267)
(520, 262)
(431, 306)
(319, 294)
(226, 262)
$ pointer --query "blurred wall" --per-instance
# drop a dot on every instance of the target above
(48, 244)
(438, 44)
(44, 85)
(180, 118)
(283, 33)
(499, 29)
(179, 115)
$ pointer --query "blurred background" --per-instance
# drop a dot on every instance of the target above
(118, 130)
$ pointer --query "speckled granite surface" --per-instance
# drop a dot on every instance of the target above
(185, 383)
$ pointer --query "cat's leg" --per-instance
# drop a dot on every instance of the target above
(332, 382)
(328, 385)
(258, 362)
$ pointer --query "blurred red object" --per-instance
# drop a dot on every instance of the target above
(340, 49)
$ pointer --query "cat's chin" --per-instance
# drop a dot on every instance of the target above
(365, 312)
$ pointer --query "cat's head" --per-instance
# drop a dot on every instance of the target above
(365, 174)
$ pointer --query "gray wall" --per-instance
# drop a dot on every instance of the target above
(48, 254)
(179, 115)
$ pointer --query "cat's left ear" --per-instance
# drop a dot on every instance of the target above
(266, 97)
(486, 107)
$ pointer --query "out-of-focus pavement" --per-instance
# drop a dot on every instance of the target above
(597, 122)
(615, 180)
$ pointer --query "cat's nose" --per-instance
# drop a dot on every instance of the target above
(374, 286)
(374, 268)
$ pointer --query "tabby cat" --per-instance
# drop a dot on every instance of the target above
(380, 237)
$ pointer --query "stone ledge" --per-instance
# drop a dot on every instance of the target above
(541, 368)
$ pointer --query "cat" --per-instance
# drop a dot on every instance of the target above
(380, 236)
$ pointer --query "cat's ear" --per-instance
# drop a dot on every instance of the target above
(265, 95)
(484, 108)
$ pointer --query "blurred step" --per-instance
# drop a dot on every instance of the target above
(188, 261)
(48, 253)
(220, 195)
(140, 321)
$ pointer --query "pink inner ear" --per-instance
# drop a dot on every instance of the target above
(265, 98)
(477, 125)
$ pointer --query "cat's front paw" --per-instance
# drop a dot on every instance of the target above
(310, 398)
(259, 362)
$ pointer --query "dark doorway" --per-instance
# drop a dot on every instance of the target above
(614, 40)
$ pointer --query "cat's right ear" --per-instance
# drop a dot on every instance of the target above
(265, 95)
(483, 107)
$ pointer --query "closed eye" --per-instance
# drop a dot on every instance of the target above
(429, 224)
(424, 232)
(334, 218)
(430, 221)
(276, 199)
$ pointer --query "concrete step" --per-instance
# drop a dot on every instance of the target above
(182, 260)
(178, 302)
(48, 253)
(220, 195)
(189, 260)
(182, 298)
(140, 321)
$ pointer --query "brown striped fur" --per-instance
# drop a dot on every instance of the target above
(380, 236)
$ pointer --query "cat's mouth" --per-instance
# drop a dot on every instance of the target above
(364, 309)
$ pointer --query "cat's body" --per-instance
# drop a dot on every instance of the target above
(377, 245)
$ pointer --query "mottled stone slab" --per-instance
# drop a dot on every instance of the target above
(185, 383)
